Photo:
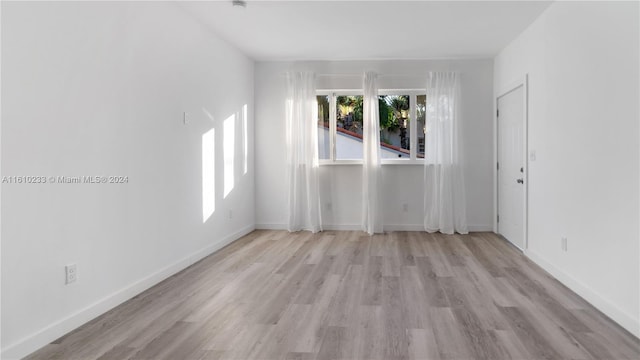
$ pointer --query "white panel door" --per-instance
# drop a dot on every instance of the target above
(511, 163)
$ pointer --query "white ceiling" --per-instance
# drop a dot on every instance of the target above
(350, 30)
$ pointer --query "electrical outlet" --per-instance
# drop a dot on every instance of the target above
(405, 207)
(563, 244)
(71, 273)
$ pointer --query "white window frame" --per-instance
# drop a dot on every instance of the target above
(413, 124)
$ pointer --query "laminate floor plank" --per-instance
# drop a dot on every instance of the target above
(372, 291)
(344, 295)
(483, 256)
(405, 250)
(370, 334)
(273, 306)
(450, 341)
(439, 262)
(613, 337)
(118, 353)
(422, 344)
(501, 252)
(484, 282)
(317, 253)
(391, 264)
(311, 290)
(300, 255)
(415, 304)
(478, 339)
(300, 356)
(539, 294)
(311, 333)
(433, 290)
(332, 347)
(537, 345)
(166, 341)
(395, 330)
(476, 294)
(415, 244)
(359, 252)
(344, 308)
(559, 337)
(454, 255)
(342, 260)
(511, 345)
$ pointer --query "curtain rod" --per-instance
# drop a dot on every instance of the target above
(360, 75)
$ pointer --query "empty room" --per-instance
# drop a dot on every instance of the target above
(283, 180)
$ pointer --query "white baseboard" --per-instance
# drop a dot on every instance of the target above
(342, 227)
(420, 227)
(271, 226)
(324, 227)
(624, 319)
(480, 228)
(43, 337)
(387, 227)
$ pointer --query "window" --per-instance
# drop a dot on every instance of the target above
(348, 137)
(421, 130)
(395, 129)
(340, 122)
(323, 127)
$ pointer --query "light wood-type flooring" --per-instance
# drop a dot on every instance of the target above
(346, 295)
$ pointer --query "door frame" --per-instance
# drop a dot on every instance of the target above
(524, 82)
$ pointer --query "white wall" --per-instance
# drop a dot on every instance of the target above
(100, 89)
(582, 60)
(402, 183)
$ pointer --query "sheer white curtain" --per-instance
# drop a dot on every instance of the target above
(444, 195)
(302, 153)
(371, 170)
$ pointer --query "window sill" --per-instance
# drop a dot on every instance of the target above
(340, 162)
(359, 162)
(402, 162)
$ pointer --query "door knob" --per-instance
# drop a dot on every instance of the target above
(520, 181)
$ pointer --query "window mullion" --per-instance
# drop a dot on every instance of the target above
(413, 121)
(332, 127)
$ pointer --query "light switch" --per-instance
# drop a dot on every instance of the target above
(532, 155)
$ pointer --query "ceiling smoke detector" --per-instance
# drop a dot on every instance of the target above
(240, 3)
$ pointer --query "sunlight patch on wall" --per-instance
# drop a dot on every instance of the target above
(229, 153)
(245, 141)
(208, 174)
